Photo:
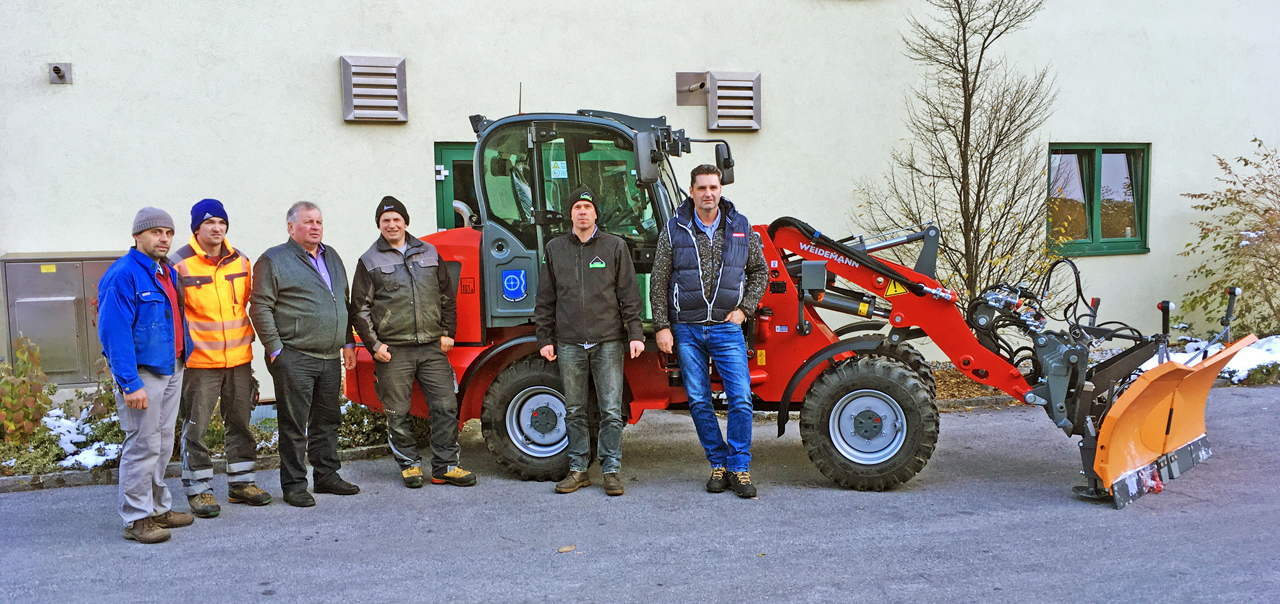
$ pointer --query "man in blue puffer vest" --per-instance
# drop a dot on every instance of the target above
(145, 339)
(709, 274)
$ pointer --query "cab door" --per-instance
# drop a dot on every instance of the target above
(528, 169)
(509, 238)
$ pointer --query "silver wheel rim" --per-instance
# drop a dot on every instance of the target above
(521, 418)
(844, 427)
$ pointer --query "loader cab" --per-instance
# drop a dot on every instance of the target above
(526, 166)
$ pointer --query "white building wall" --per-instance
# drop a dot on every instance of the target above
(241, 101)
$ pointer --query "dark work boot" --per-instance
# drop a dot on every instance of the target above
(718, 481)
(741, 483)
(335, 485)
(299, 499)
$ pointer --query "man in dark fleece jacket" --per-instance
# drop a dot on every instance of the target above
(588, 306)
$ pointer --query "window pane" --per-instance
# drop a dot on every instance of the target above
(602, 161)
(507, 175)
(1068, 208)
(1119, 212)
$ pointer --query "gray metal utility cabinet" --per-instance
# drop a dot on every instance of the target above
(53, 299)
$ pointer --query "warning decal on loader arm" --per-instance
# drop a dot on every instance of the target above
(894, 289)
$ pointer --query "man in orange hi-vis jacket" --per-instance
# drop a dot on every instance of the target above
(217, 283)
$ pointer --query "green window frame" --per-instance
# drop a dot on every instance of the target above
(1098, 198)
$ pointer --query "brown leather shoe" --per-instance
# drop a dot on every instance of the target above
(573, 482)
(146, 531)
(173, 519)
(613, 484)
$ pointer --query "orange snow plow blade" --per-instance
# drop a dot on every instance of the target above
(1155, 431)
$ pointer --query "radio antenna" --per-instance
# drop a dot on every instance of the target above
(520, 100)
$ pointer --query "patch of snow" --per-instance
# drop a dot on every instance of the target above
(66, 430)
(1263, 352)
(266, 445)
(92, 457)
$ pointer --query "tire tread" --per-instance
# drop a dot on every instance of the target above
(880, 373)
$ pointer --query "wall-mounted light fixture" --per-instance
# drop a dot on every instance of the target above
(732, 97)
(59, 73)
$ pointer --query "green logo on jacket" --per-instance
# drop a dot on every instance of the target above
(596, 263)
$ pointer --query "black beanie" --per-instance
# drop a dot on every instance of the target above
(391, 204)
(583, 194)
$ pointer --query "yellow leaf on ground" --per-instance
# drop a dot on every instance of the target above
(566, 549)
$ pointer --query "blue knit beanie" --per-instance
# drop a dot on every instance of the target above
(204, 210)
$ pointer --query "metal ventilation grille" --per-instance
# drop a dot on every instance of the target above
(373, 90)
(733, 100)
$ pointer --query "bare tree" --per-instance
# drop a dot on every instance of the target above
(973, 165)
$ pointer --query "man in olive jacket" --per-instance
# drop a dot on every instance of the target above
(403, 308)
(299, 310)
(588, 306)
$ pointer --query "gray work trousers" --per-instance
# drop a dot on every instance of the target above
(148, 445)
(603, 362)
(393, 380)
(231, 390)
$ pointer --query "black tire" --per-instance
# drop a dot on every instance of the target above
(912, 359)
(888, 391)
(525, 387)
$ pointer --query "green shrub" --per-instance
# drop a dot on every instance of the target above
(216, 436)
(39, 455)
(23, 393)
(265, 434)
(361, 426)
(1262, 375)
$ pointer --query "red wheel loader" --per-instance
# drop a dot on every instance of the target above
(866, 397)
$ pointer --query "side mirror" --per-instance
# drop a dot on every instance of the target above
(724, 161)
(648, 157)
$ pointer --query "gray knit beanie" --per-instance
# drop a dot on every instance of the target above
(150, 218)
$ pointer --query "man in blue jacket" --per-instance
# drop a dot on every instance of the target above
(145, 339)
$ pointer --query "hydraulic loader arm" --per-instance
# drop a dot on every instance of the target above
(916, 300)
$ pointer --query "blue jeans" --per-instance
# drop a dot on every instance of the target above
(604, 363)
(724, 344)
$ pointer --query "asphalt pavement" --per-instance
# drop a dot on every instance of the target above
(990, 519)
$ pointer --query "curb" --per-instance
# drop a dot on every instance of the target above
(82, 478)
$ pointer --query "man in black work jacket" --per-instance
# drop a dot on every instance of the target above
(588, 308)
(403, 308)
